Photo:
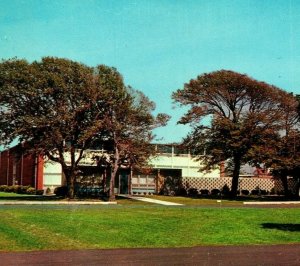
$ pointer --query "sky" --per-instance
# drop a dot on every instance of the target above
(158, 45)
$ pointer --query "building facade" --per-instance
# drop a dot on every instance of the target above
(170, 167)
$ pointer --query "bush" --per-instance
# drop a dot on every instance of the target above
(193, 192)
(23, 189)
(255, 192)
(31, 191)
(225, 190)
(9, 189)
(204, 192)
(61, 191)
(15, 188)
(181, 192)
(264, 192)
(39, 192)
(215, 192)
(245, 192)
(3, 187)
(18, 189)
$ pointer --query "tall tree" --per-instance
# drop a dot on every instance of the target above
(61, 108)
(282, 153)
(129, 124)
(229, 114)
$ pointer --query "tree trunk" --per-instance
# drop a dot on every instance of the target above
(104, 180)
(70, 178)
(283, 178)
(114, 171)
(112, 196)
(235, 176)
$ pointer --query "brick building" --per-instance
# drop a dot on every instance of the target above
(19, 169)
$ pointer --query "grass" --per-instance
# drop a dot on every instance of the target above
(128, 226)
(12, 195)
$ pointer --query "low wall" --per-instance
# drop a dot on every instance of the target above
(244, 184)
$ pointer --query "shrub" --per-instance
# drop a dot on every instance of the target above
(23, 189)
(181, 192)
(193, 192)
(3, 187)
(204, 192)
(61, 191)
(245, 192)
(39, 192)
(215, 192)
(264, 192)
(9, 189)
(171, 185)
(15, 188)
(255, 192)
(225, 190)
(30, 191)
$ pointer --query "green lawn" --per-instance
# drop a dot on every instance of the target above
(125, 226)
(12, 195)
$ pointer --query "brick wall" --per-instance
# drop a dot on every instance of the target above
(18, 169)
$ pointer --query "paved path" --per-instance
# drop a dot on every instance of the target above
(161, 202)
(271, 202)
(288, 255)
(28, 202)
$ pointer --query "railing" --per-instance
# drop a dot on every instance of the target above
(142, 184)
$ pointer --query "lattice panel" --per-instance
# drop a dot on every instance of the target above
(244, 183)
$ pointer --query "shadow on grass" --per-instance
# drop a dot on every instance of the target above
(282, 227)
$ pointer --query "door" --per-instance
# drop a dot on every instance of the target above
(123, 183)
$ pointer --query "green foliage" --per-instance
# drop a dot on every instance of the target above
(31, 191)
(3, 188)
(18, 189)
(172, 186)
(192, 192)
(225, 190)
(39, 192)
(61, 191)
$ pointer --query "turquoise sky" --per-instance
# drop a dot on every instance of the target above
(160, 45)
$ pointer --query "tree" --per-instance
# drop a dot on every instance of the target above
(229, 114)
(282, 152)
(129, 124)
(61, 108)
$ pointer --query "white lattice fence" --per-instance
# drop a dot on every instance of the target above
(244, 183)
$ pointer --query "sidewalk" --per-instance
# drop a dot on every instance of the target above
(155, 201)
(205, 255)
(27, 202)
(270, 202)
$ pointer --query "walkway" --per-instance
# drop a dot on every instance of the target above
(206, 255)
(270, 202)
(27, 202)
(161, 202)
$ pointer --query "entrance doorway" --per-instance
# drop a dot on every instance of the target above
(124, 183)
